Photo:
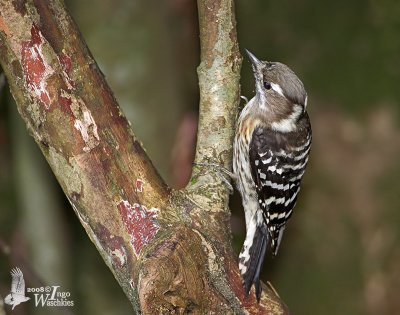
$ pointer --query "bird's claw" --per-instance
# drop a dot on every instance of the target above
(221, 172)
(244, 98)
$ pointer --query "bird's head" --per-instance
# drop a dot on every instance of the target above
(9, 299)
(278, 88)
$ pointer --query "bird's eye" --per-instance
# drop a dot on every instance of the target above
(267, 85)
(270, 65)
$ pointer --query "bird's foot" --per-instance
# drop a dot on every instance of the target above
(244, 98)
(222, 173)
(273, 289)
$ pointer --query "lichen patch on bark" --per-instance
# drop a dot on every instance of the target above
(71, 178)
(66, 66)
(36, 68)
(85, 124)
(139, 184)
(139, 222)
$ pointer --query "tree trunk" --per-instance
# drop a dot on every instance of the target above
(169, 250)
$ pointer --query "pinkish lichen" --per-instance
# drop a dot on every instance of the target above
(65, 102)
(37, 70)
(139, 185)
(139, 222)
(66, 63)
(66, 66)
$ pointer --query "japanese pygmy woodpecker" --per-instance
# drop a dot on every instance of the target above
(271, 149)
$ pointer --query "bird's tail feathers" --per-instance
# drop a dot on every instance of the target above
(252, 256)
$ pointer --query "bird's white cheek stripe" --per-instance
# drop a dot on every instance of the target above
(277, 88)
(288, 124)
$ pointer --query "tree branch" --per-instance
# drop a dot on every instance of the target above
(169, 250)
(219, 74)
(73, 116)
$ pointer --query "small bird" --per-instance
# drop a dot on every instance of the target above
(17, 294)
(271, 149)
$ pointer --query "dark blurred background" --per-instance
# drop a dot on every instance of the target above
(340, 253)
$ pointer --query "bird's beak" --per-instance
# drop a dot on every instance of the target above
(257, 69)
(254, 61)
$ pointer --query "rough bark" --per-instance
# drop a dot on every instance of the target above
(169, 250)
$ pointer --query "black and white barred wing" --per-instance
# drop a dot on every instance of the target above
(277, 167)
